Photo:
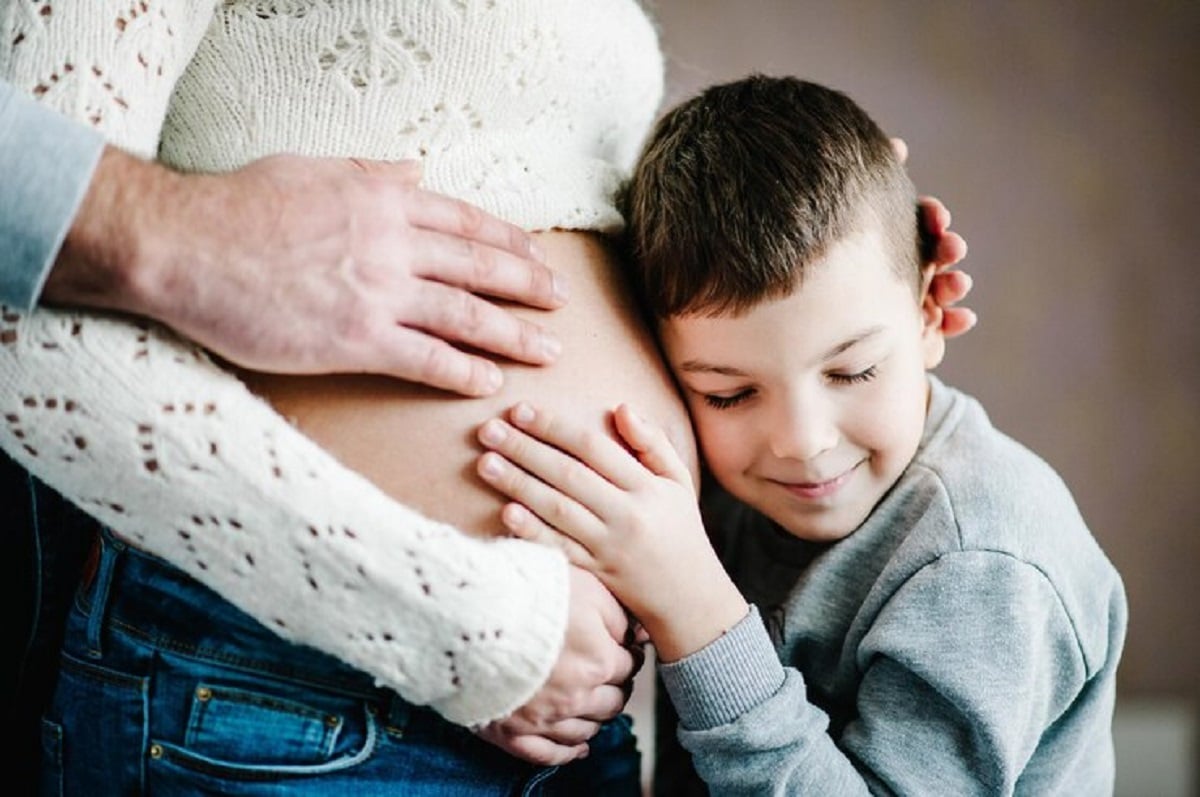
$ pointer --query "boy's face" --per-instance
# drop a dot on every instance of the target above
(809, 407)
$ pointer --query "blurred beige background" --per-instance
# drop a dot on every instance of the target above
(1063, 137)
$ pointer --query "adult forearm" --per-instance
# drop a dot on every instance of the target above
(106, 260)
(142, 432)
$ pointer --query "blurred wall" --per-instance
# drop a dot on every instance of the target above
(1063, 136)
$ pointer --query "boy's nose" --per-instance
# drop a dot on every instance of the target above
(804, 431)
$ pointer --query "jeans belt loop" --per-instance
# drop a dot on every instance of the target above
(110, 550)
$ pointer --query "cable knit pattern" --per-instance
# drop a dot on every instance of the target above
(531, 109)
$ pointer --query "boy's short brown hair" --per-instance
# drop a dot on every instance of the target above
(741, 187)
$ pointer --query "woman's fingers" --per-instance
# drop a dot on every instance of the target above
(534, 748)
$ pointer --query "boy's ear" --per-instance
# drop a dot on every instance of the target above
(933, 340)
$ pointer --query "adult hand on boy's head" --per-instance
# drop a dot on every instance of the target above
(948, 286)
(946, 248)
(310, 265)
(588, 685)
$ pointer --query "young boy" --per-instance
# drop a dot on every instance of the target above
(945, 621)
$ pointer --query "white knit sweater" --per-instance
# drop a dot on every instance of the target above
(532, 109)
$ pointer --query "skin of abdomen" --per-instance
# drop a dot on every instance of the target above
(418, 444)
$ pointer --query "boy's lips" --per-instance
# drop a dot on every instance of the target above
(818, 489)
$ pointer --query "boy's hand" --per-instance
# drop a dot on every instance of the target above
(628, 513)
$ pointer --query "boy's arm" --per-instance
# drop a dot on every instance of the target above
(972, 680)
(972, 664)
(624, 509)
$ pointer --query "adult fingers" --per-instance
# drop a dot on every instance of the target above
(483, 267)
(461, 220)
(534, 748)
(935, 216)
(605, 702)
(588, 597)
(950, 249)
(418, 357)
(957, 320)
(573, 731)
(602, 704)
(453, 314)
(408, 172)
(950, 287)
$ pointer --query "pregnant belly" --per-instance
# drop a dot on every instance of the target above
(418, 445)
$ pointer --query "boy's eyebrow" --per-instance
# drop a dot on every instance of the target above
(701, 367)
(853, 340)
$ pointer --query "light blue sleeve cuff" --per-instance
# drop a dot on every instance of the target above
(726, 678)
(47, 162)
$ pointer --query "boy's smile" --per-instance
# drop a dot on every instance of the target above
(809, 407)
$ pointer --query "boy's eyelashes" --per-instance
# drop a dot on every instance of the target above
(725, 401)
(865, 375)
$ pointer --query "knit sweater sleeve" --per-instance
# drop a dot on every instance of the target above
(144, 432)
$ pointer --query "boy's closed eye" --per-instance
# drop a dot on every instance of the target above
(854, 377)
(725, 401)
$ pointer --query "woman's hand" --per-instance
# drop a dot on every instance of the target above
(590, 682)
(625, 509)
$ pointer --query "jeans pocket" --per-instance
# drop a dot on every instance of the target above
(254, 729)
(225, 721)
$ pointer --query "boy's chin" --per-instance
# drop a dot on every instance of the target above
(820, 531)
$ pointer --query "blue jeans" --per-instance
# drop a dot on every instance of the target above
(46, 542)
(167, 689)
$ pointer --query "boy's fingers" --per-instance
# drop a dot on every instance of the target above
(593, 448)
(554, 511)
(652, 445)
(548, 464)
(523, 523)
